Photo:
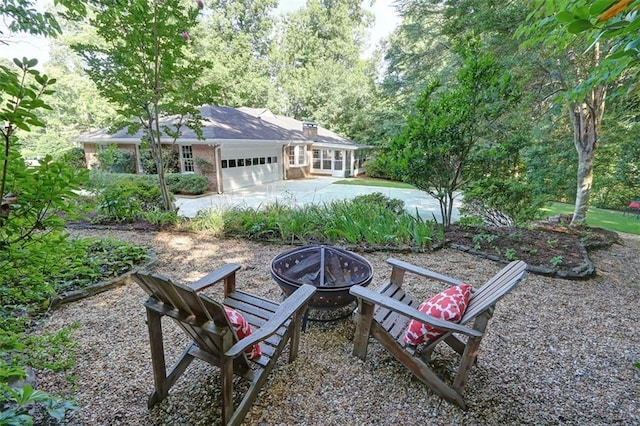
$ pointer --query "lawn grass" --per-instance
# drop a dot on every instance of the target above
(607, 219)
(374, 182)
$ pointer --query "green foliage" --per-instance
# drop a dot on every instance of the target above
(161, 218)
(509, 196)
(191, 184)
(21, 399)
(386, 165)
(337, 222)
(127, 199)
(72, 157)
(615, 23)
(141, 64)
(237, 39)
(115, 160)
(379, 199)
(210, 221)
(93, 260)
(26, 291)
(439, 138)
(177, 183)
(323, 78)
(556, 260)
(171, 158)
(51, 351)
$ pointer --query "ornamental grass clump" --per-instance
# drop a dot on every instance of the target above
(370, 220)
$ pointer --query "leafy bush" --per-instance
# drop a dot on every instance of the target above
(160, 217)
(187, 183)
(171, 159)
(208, 221)
(177, 183)
(502, 201)
(126, 200)
(385, 166)
(73, 157)
(116, 160)
(379, 199)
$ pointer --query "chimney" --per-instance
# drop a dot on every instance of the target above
(310, 130)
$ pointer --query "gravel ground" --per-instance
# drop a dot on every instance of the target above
(557, 351)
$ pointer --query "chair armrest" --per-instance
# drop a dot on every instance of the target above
(423, 272)
(399, 307)
(215, 276)
(295, 302)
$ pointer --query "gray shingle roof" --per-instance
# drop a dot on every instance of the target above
(227, 124)
(219, 123)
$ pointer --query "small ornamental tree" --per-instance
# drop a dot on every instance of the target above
(141, 66)
(448, 123)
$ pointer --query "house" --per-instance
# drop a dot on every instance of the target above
(244, 147)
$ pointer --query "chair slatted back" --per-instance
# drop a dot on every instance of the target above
(191, 312)
(493, 290)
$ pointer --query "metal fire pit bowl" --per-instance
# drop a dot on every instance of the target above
(330, 269)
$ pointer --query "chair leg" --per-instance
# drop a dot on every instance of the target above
(470, 353)
(363, 328)
(162, 381)
(419, 368)
(227, 389)
(154, 325)
(294, 341)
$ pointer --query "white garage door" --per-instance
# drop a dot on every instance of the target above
(250, 166)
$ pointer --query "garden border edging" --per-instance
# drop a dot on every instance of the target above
(62, 299)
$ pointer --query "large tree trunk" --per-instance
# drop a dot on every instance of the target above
(586, 118)
(156, 152)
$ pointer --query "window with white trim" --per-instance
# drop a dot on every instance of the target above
(186, 159)
(297, 155)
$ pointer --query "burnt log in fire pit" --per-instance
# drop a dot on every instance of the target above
(330, 269)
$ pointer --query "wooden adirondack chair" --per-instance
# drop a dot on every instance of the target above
(213, 337)
(384, 315)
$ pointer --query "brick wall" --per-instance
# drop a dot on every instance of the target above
(206, 153)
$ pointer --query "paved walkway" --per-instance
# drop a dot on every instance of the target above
(316, 190)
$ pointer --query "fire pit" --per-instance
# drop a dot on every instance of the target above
(332, 270)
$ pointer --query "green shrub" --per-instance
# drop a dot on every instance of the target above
(171, 161)
(379, 199)
(115, 160)
(192, 184)
(501, 199)
(73, 157)
(177, 183)
(209, 221)
(160, 217)
(126, 200)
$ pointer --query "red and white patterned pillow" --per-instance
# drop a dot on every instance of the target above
(242, 329)
(448, 305)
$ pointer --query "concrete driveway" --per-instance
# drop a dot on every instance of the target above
(314, 190)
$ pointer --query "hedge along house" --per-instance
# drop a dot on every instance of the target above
(244, 147)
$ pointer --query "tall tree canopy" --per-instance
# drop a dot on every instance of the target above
(317, 59)
(236, 40)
